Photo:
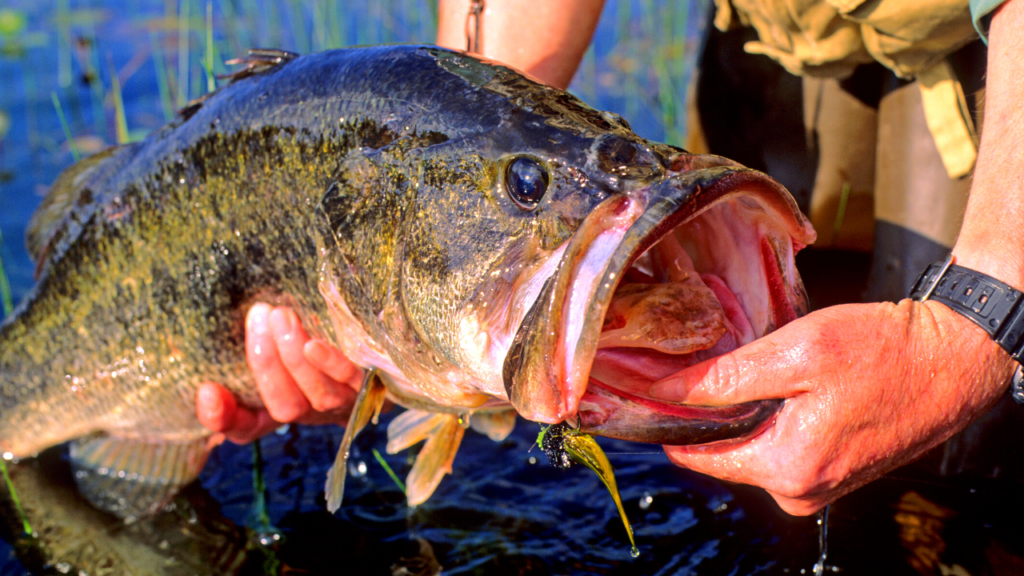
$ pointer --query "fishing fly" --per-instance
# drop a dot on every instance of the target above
(564, 445)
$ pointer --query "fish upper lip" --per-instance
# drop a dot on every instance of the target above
(668, 204)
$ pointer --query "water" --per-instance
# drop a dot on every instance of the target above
(503, 510)
(819, 566)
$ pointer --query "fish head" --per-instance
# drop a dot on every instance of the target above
(656, 279)
(543, 249)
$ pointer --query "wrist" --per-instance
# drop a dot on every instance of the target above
(999, 258)
(984, 368)
(980, 322)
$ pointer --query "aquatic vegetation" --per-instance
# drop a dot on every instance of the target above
(64, 124)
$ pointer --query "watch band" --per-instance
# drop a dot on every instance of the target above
(993, 305)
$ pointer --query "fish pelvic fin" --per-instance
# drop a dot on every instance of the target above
(368, 404)
(443, 433)
(412, 426)
(132, 478)
(435, 459)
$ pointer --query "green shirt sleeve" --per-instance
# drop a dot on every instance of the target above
(981, 12)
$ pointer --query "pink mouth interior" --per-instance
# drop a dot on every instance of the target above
(669, 313)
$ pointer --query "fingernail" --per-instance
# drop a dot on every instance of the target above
(257, 320)
(210, 404)
(283, 321)
(317, 352)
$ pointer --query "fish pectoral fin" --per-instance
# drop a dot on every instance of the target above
(435, 459)
(495, 425)
(131, 478)
(368, 403)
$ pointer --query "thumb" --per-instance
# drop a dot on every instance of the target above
(774, 366)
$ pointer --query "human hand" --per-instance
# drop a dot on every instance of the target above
(544, 39)
(300, 379)
(868, 388)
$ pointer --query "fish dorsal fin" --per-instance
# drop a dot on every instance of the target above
(495, 425)
(368, 404)
(257, 60)
(69, 191)
(443, 433)
(133, 478)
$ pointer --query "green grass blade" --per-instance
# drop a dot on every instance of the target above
(5, 286)
(837, 224)
(120, 120)
(161, 78)
(99, 111)
(183, 47)
(211, 83)
(394, 477)
(259, 487)
(64, 125)
(14, 498)
(63, 48)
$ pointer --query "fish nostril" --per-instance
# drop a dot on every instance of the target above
(614, 154)
(680, 163)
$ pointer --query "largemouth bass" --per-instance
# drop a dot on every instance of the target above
(486, 244)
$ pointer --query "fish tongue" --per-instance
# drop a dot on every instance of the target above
(675, 318)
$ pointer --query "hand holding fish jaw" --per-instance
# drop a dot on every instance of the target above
(868, 387)
(299, 379)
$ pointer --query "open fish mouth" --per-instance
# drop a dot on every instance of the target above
(654, 281)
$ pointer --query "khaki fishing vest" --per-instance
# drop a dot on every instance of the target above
(823, 40)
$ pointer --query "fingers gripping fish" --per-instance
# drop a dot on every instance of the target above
(489, 245)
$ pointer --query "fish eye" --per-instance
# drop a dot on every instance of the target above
(526, 181)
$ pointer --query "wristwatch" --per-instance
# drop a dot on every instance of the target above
(993, 305)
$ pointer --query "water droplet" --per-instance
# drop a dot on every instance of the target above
(357, 469)
(268, 538)
(532, 460)
(646, 500)
(634, 552)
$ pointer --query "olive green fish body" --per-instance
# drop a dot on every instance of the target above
(447, 222)
(148, 276)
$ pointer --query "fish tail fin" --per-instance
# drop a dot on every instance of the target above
(131, 478)
(368, 404)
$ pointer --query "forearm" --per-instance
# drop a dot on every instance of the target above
(992, 237)
(544, 39)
